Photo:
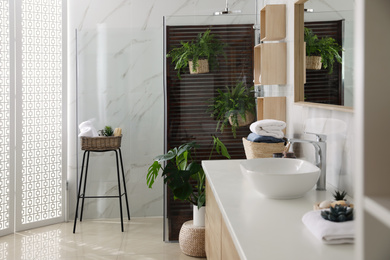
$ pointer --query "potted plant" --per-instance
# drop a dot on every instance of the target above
(322, 52)
(234, 106)
(180, 168)
(199, 55)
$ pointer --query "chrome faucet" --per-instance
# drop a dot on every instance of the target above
(320, 156)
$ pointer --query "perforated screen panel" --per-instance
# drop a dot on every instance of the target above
(4, 115)
(41, 110)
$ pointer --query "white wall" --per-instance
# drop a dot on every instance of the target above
(338, 125)
(123, 87)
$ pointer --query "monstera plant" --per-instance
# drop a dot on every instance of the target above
(180, 168)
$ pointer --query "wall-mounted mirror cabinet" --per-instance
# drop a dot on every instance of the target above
(318, 87)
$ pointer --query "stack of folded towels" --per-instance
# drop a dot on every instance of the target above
(329, 232)
(267, 131)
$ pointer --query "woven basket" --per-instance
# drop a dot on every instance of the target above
(101, 143)
(203, 67)
(261, 150)
(192, 240)
(241, 122)
(313, 62)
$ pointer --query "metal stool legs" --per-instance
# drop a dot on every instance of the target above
(124, 186)
(82, 196)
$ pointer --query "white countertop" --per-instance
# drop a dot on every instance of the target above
(264, 228)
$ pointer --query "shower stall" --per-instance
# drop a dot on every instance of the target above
(187, 99)
(124, 80)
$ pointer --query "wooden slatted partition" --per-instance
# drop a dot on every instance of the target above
(322, 87)
(187, 119)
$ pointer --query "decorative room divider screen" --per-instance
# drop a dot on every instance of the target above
(187, 101)
(32, 114)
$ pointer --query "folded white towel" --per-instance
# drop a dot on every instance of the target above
(87, 129)
(267, 124)
(268, 127)
(327, 231)
(277, 134)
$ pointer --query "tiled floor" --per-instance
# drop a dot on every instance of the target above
(94, 239)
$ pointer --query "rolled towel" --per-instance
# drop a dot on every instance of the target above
(268, 125)
(87, 129)
(263, 139)
(327, 231)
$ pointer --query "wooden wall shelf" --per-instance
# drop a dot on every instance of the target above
(270, 64)
(273, 22)
(271, 108)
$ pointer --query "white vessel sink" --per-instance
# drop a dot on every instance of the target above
(280, 178)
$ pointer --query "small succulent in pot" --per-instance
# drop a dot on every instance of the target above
(339, 195)
(107, 131)
(339, 198)
(338, 213)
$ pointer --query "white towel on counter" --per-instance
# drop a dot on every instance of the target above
(327, 231)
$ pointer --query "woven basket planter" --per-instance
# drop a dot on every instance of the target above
(313, 62)
(203, 67)
(192, 240)
(261, 150)
(249, 117)
(101, 143)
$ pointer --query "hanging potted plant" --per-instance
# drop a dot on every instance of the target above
(234, 106)
(199, 55)
(322, 52)
(180, 168)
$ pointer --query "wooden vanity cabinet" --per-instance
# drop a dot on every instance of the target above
(219, 244)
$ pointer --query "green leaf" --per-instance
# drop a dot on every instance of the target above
(201, 200)
(166, 157)
(221, 148)
(152, 173)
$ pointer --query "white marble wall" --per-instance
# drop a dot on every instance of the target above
(120, 50)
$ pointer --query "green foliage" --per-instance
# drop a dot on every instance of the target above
(205, 46)
(232, 102)
(107, 131)
(338, 195)
(338, 214)
(325, 47)
(180, 168)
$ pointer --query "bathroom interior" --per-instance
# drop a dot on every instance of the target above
(110, 66)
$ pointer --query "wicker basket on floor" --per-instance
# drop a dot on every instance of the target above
(192, 240)
(261, 150)
(101, 143)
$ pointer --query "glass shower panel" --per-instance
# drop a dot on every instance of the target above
(186, 99)
(103, 97)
